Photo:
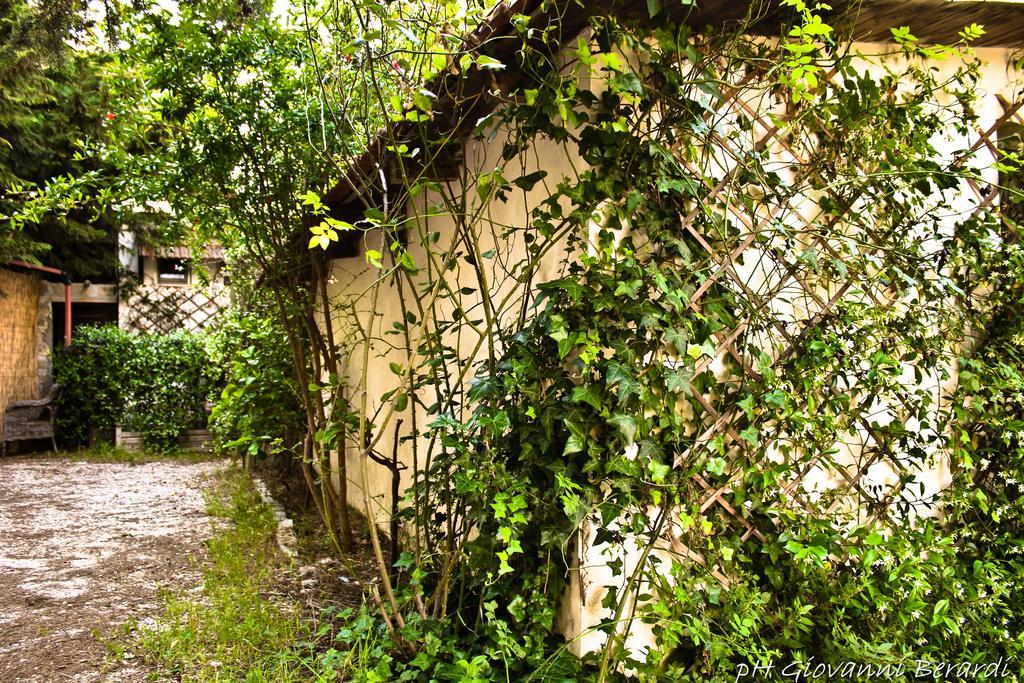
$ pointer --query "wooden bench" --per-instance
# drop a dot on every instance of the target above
(24, 420)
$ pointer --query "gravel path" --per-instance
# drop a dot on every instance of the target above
(84, 548)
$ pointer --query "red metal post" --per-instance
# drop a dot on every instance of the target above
(67, 314)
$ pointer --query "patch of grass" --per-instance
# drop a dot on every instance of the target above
(105, 453)
(233, 631)
(116, 648)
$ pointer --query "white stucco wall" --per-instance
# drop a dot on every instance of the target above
(352, 281)
(368, 372)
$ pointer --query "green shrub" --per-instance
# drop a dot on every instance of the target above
(151, 383)
(259, 409)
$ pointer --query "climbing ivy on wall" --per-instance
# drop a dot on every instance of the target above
(734, 398)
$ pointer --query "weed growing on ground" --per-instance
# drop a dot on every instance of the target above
(240, 627)
(232, 631)
(105, 453)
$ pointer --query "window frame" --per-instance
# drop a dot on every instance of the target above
(172, 278)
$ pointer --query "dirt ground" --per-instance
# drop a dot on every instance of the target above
(84, 548)
(326, 581)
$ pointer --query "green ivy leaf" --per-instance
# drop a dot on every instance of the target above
(485, 62)
(628, 289)
(527, 182)
(627, 426)
(621, 376)
(659, 471)
(589, 395)
(678, 338)
(751, 435)
(680, 380)
(747, 404)
(574, 444)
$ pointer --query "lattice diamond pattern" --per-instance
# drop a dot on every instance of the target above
(781, 334)
(163, 309)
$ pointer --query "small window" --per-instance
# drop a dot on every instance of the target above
(172, 271)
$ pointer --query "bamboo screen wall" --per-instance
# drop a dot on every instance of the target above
(19, 336)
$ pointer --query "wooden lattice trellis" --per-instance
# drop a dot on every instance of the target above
(783, 333)
(165, 309)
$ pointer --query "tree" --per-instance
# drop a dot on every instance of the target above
(220, 118)
(240, 119)
(51, 98)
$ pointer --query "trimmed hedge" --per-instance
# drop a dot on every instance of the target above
(152, 383)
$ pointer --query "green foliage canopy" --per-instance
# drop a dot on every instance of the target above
(51, 99)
